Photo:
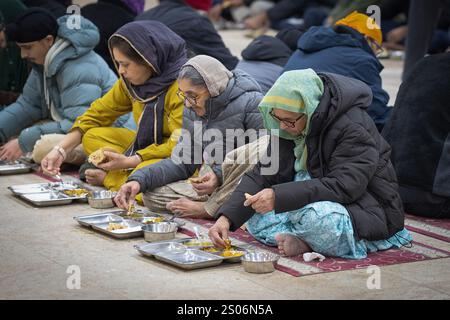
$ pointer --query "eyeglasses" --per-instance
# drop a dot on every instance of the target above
(288, 123)
(184, 97)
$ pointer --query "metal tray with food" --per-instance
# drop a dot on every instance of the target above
(13, 168)
(42, 187)
(100, 218)
(120, 230)
(189, 259)
(232, 254)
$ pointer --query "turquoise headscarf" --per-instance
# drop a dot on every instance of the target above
(296, 91)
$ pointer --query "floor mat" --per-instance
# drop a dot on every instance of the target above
(431, 240)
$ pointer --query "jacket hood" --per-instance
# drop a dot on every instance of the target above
(319, 38)
(269, 49)
(239, 84)
(80, 42)
(214, 73)
(340, 95)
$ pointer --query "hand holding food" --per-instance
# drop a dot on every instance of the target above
(126, 194)
(98, 157)
(262, 202)
(218, 233)
(207, 185)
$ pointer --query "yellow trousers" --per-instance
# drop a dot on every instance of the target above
(118, 139)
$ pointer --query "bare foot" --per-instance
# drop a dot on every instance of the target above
(289, 245)
(188, 208)
(95, 177)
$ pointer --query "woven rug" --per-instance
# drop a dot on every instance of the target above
(431, 240)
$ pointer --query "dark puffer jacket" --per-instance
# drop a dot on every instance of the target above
(348, 161)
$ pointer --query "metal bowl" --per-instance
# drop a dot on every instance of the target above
(259, 262)
(160, 231)
(101, 199)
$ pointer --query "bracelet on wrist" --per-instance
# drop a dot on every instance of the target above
(61, 151)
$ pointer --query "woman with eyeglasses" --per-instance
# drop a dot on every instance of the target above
(221, 107)
(148, 57)
(336, 191)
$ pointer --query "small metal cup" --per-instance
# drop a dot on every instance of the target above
(259, 262)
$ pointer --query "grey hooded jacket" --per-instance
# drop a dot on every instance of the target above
(235, 108)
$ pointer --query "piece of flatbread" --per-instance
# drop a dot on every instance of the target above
(195, 180)
(98, 157)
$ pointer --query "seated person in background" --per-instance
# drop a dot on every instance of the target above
(148, 57)
(348, 49)
(237, 10)
(419, 133)
(108, 18)
(276, 16)
(195, 29)
(66, 77)
(264, 59)
(290, 36)
(343, 8)
(336, 191)
(216, 100)
(395, 26)
(14, 69)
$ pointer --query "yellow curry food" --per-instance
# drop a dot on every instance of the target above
(76, 192)
(115, 226)
(232, 253)
(197, 243)
(153, 219)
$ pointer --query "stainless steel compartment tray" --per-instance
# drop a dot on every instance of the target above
(101, 218)
(46, 199)
(42, 187)
(134, 230)
(14, 168)
(189, 259)
(150, 249)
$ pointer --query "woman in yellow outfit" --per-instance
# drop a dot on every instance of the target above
(148, 57)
